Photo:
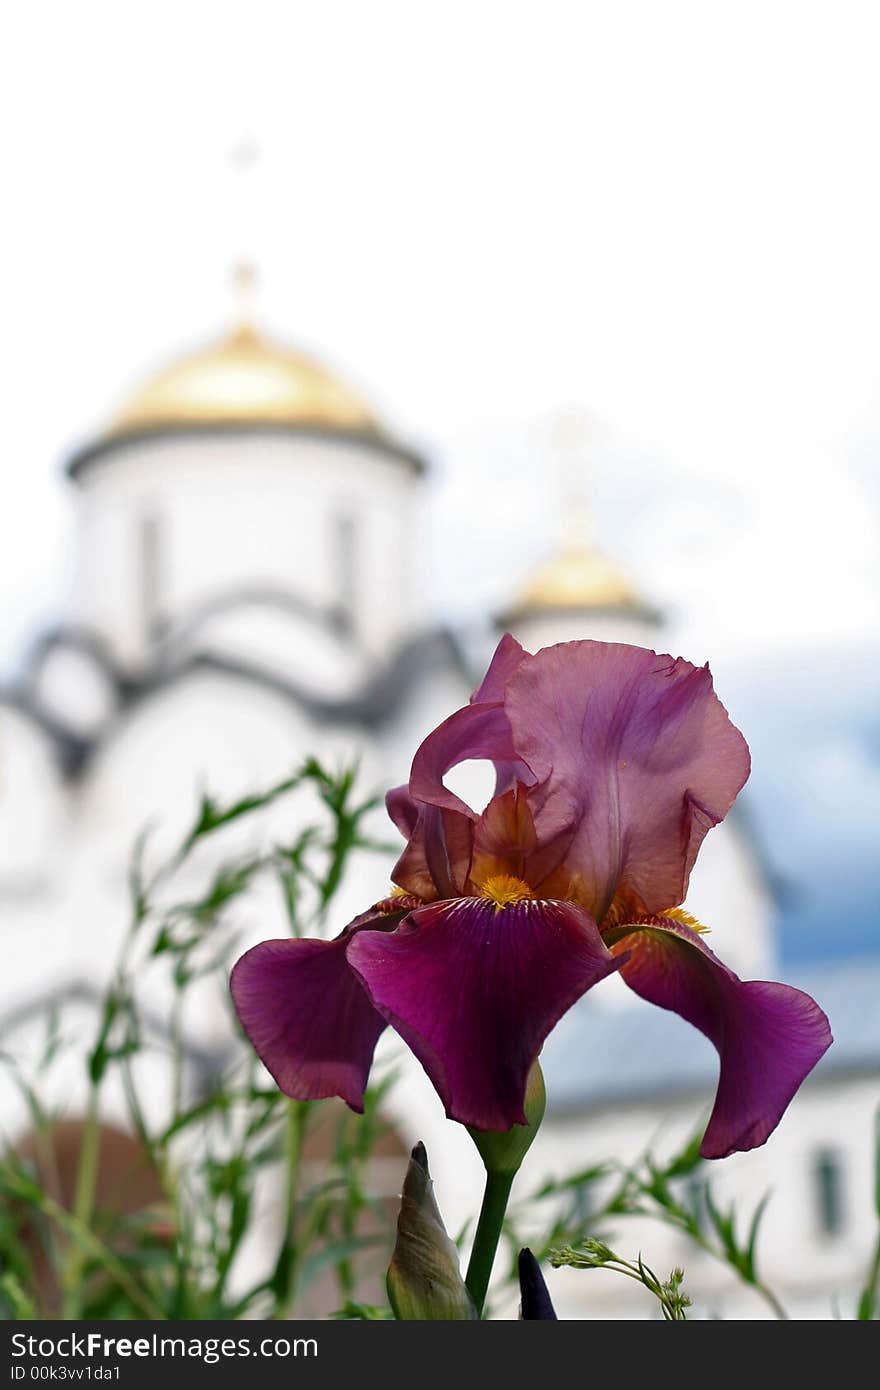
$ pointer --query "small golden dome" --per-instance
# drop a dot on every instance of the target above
(245, 379)
(578, 577)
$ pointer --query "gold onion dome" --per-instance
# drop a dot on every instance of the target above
(577, 578)
(245, 379)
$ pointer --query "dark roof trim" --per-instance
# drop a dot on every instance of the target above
(71, 749)
(112, 443)
(77, 638)
(334, 618)
(523, 612)
(373, 706)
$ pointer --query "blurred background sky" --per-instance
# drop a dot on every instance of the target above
(665, 215)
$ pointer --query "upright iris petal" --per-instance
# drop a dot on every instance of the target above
(475, 732)
(437, 858)
(635, 759)
(474, 987)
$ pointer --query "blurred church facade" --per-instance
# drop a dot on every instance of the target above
(245, 595)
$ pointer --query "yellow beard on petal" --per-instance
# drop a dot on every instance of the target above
(398, 900)
(504, 889)
(617, 926)
(678, 914)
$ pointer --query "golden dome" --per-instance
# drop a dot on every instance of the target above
(577, 577)
(245, 379)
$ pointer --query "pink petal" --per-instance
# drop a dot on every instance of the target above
(507, 658)
(307, 1014)
(474, 990)
(768, 1036)
(634, 758)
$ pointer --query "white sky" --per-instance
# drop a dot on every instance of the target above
(666, 214)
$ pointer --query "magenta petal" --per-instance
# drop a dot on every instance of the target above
(308, 1016)
(474, 990)
(768, 1036)
(478, 732)
(635, 759)
(437, 859)
(403, 810)
(507, 658)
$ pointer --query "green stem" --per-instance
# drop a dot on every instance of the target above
(95, 1248)
(177, 1053)
(286, 1269)
(83, 1204)
(771, 1300)
(491, 1220)
(762, 1290)
(868, 1300)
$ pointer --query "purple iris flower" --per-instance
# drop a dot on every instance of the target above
(611, 763)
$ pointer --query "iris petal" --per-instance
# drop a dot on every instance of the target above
(474, 990)
(307, 1014)
(635, 759)
(476, 732)
(508, 656)
(768, 1036)
(437, 859)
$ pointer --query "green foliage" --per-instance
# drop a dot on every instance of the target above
(218, 1146)
(673, 1194)
(595, 1254)
(869, 1300)
(212, 1149)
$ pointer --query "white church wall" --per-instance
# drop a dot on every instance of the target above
(728, 894)
(543, 629)
(325, 520)
(63, 1086)
(208, 731)
(803, 1263)
(33, 809)
(73, 688)
(285, 644)
(434, 698)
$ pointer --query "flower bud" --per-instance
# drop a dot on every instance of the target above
(534, 1298)
(424, 1280)
(502, 1151)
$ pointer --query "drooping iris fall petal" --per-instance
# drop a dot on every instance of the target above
(474, 989)
(634, 758)
(307, 1014)
(768, 1036)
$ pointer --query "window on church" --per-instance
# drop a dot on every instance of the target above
(149, 550)
(828, 1188)
(345, 572)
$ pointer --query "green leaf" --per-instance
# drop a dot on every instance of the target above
(212, 817)
(334, 1254)
(21, 1303)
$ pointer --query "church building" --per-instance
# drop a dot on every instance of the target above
(246, 593)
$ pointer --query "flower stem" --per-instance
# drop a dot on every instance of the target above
(92, 1246)
(286, 1271)
(868, 1300)
(489, 1226)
